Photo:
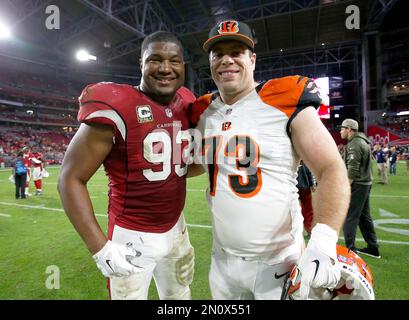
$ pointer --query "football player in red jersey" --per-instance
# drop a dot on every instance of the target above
(140, 136)
(38, 163)
(27, 156)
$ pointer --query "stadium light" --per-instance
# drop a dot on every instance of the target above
(5, 32)
(83, 55)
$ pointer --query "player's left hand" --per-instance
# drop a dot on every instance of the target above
(318, 264)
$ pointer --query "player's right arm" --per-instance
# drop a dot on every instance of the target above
(85, 154)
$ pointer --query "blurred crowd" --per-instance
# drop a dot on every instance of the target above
(52, 144)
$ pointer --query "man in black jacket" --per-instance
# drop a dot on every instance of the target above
(19, 171)
(357, 158)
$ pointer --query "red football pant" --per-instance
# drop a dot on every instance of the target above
(307, 211)
(38, 184)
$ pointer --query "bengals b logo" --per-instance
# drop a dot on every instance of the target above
(226, 126)
(230, 26)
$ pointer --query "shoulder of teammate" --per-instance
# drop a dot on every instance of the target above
(291, 94)
(187, 96)
(198, 107)
(101, 96)
(99, 104)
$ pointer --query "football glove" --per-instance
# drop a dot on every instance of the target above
(318, 264)
(116, 260)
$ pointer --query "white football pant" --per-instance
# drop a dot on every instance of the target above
(37, 173)
(238, 278)
(162, 256)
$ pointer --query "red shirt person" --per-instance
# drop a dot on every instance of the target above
(38, 163)
(140, 135)
(27, 156)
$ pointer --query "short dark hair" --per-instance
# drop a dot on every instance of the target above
(160, 36)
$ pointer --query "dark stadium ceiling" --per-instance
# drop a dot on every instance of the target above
(114, 29)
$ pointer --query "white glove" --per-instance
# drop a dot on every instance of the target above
(319, 264)
(115, 260)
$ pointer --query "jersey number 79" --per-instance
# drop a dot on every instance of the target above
(245, 153)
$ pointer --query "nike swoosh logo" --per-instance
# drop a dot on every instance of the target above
(278, 276)
(108, 262)
(316, 268)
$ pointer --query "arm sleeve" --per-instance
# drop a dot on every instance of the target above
(98, 104)
(354, 159)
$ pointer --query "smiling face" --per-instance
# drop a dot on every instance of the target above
(232, 65)
(163, 71)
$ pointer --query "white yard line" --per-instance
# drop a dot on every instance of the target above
(387, 196)
(40, 207)
(199, 226)
(5, 215)
(382, 241)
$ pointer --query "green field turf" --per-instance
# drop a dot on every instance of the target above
(36, 234)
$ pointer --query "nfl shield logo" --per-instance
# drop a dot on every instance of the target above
(229, 111)
(169, 112)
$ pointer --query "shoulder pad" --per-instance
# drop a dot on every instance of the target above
(310, 95)
(198, 107)
(99, 103)
(290, 94)
(186, 95)
(105, 92)
(280, 85)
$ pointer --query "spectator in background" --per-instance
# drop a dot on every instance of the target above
(38, 163)
(393, 156)
(27, 155)
(305, 185)
(358, 162)
(381, 158)
(19, 170)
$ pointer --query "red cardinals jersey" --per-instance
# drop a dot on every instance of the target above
(27, 159)
(146, 166)
(37, 160)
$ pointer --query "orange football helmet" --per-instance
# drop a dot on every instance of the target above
(356, 281)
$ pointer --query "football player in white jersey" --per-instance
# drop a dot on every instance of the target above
(251, 139)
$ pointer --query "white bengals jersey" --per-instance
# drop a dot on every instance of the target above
(247, 152)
